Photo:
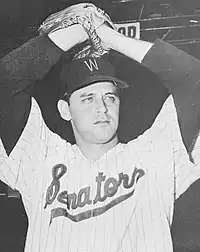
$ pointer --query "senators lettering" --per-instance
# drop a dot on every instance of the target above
(105, 188)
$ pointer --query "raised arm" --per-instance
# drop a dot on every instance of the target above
(178, 71)
(20, 69)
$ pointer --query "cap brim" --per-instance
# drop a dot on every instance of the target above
(100, 78)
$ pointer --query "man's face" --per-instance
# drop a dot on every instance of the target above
(94, 112)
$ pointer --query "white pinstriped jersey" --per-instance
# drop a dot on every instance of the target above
(122, 202)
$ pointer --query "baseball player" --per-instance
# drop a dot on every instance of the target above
(98, 194)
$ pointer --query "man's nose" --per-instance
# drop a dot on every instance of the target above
(101, 106)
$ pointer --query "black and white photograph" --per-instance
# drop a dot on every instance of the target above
(99, 126)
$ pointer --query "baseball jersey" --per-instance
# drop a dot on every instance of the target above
(120, 202)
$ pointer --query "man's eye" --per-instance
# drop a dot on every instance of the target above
(110, 98)
(87, 99)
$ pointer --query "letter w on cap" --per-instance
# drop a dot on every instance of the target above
(91, 64)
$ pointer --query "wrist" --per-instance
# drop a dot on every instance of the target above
(108, 36)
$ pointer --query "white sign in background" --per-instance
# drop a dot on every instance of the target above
(131, 30)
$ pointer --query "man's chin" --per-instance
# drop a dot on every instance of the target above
(104, 139)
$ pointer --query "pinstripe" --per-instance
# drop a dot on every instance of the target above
(151, 217)
(40, 230)
(34, 224)
(55, 239)
(158, 200)
(69, 237)
(143, 231)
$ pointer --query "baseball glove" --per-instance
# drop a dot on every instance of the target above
(85, 14)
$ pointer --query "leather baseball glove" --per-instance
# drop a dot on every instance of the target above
(85, 14)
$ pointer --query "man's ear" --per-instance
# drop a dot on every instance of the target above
(64, 110)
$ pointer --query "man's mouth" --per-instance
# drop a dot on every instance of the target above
(102, 122)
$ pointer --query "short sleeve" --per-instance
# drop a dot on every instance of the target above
(20, 168)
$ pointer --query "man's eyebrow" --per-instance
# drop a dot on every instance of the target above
(116, 93)
(86, 95)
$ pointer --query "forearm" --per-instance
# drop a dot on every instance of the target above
(132, 48)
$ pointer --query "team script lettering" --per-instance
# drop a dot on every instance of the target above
(74, 200)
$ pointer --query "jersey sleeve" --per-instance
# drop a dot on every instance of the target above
(20, 168)
(166, 141)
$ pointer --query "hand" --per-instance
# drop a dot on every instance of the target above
(68, 37)
(92, 21)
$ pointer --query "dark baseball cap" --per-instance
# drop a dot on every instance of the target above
(83, 72)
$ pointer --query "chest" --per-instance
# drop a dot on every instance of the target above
(83, 185)
(99, 206)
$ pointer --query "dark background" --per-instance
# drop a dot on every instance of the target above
(175, 21)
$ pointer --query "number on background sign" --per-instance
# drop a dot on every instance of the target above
(129, 31)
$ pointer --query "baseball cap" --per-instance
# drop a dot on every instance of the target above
(83, 72)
